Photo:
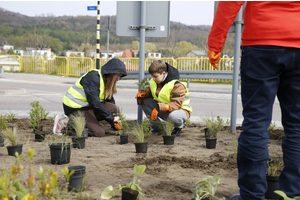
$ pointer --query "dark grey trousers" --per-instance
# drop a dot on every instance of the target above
(178, 117)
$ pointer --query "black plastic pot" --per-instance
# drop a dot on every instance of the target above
(273, 184)
(206, 132)
(60, 153)
(85, 133)
(169, 139)
(211, 143)
(76, 182)
(1, 141)
(13, 149)
(39, 137)
(78, 142)
(140, 100)
(129, 194)
(141, 147)
(124, 139)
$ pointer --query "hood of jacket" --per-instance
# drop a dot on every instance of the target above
(114, 66)
(173, 73)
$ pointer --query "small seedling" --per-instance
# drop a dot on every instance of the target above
(207, 189)
(37, 113)
(3, 122)
(188, 122)
(275, 167)
(11, 116)
(284, 195)
(272, 126)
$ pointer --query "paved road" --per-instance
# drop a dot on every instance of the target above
(18, 90)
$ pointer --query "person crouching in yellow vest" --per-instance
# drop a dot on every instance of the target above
(166, 97)
(93, 95)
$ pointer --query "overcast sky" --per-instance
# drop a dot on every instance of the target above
(186, 12)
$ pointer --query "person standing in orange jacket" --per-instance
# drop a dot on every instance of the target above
(270, 67)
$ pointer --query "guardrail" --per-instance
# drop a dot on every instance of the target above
(189, 74)
(190, 68)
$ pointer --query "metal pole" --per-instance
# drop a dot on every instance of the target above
(98, 37)
(142, 52)
(236, 69)
(108, 26)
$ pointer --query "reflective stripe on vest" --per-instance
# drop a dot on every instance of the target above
(164, 95)
(75, 96)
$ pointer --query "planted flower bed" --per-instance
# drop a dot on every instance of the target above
(171, 173)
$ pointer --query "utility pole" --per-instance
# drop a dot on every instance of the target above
(108, 26)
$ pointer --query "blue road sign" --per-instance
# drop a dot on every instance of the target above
(92, 8)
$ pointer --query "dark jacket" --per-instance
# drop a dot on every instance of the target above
(91, 85)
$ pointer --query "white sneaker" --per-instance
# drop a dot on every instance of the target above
(60, 122)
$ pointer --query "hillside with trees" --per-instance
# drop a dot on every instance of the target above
(79, 33)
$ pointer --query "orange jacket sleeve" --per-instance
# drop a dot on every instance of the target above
(225, 15)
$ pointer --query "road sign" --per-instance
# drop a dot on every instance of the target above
(129, 18)
(92, 8)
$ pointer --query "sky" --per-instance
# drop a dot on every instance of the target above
(186, 12)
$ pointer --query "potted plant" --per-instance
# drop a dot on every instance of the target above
(11, 136)
(140, 131)
(123, 132)
(144, 85)
(207, 189)
(166, 129)
(274, 168)
(131, 191)
(75, 176)
(282, 194)
(37, 114)
(3, 126)
(77, 122)
(214, 125)
(60, 149)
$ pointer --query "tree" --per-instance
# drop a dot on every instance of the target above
(150, 46)
(183, 47)
(135, 45)
(10, 52)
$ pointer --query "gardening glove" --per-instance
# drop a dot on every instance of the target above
(214, 58)
(140, 94)
(154, 113)
(117, 126)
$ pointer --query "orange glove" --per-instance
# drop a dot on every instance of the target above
(167, 108)
(214, 58)
(117, 126)
(154, 114)
(140, 94)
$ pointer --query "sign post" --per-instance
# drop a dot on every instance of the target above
(97, 32)
(143, 19)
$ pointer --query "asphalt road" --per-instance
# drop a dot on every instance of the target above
(18, 90)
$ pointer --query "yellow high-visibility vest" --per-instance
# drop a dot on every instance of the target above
(164, 95)
(75, 96)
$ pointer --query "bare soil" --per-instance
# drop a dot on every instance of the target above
(172, 170)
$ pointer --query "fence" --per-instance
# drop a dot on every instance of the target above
(74, 66)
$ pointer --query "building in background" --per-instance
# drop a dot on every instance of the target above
(196, 54)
